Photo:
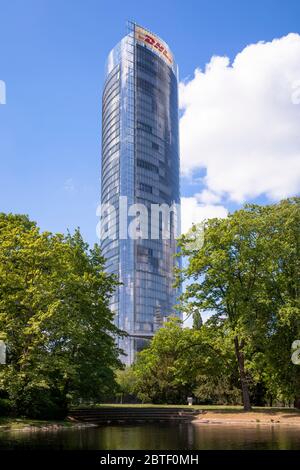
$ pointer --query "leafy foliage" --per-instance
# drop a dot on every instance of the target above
(247, 275)
(54, 318)
(180, 362)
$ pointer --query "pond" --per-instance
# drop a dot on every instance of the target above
(159, 436)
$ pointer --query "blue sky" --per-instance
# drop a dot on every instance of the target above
(52, 56)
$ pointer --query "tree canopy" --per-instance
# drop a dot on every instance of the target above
(54, 318)
(246, 274)
(180, 362)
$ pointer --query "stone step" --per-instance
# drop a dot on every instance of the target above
(128, 415)
(127, 410)
(188, 410)
(131, 415)
(131, 412)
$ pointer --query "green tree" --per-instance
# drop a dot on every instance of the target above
(54, 318)
(156, 369)
(197, 320)
(183, 361)
(214, 366)
(280, 375)
(127, 382)
(247, 275)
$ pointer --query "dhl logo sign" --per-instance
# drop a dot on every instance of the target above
(143, 36)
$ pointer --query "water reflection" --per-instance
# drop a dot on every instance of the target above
(168, 437)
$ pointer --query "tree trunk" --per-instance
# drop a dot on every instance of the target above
(297, 403)
(271, 401)
(240, 360)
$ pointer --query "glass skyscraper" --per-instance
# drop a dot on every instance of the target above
(140, 165)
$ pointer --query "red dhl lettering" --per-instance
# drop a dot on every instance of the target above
(150, 40)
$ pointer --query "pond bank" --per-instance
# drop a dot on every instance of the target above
(23, 424)
(215, 415)
(241, 418)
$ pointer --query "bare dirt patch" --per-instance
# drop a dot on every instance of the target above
(288, 418)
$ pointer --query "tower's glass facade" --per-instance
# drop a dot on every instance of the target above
(140, 165)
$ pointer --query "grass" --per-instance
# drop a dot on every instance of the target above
(219, 408)
(13, 424)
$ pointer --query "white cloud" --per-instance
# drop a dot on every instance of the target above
(194, 212)
(241, 123)
(208, 197)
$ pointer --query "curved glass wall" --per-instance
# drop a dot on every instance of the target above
(140, 162)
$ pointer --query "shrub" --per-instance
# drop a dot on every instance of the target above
(5, 407)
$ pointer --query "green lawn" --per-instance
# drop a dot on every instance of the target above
(220, 408)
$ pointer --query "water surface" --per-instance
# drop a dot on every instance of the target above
(156, 436)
